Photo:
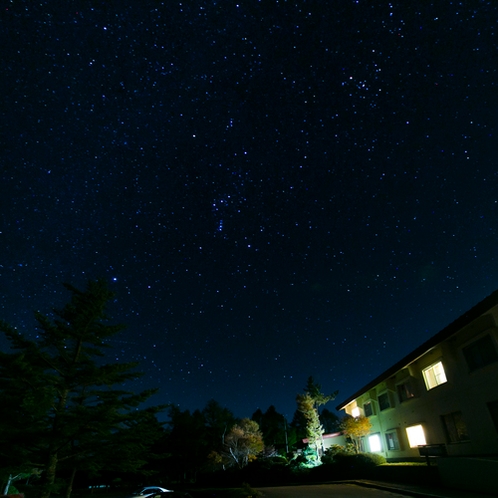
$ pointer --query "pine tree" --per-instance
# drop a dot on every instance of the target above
(314, 429)
(308, 404)
(314, 389)
(330, 421)
(58, 393)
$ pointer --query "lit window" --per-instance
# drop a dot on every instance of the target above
(374, 443)
(434, 375)
(416, 436)
(355, 412)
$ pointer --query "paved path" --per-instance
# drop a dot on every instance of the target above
(326, 491)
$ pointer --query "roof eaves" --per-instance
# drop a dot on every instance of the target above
(475, 312)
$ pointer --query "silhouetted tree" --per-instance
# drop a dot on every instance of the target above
(330, 421)
(67, 408)
(314, 390)
(186, 444)
(218, 420)
(273, 425)
(257, 416)
(298, 425)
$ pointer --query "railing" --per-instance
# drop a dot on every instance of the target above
(432, 450)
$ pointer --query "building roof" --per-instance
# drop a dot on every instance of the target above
(464, 320)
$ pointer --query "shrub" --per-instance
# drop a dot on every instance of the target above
(376, 458)
(336, 449)
(249, 492)
(360, 465)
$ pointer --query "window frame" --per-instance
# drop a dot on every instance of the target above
(435, 379)
(480, 348)
(387, 396)
(397, 445)
(410, 392)
(451, 422)
(371, 408)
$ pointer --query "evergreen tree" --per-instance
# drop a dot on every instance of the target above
(314, 430)
(314, 390)
(298, 425)
(58, 393)
(257, 416)
(274, 428)
(308, 404)
(186, 444)
(330, 421)
(218, 420)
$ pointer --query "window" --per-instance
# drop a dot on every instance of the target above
(480, 353)
(434, 375)
(362, 445)
(406, 390)
(493, 411)
(368, 409)
(416, 436)
(392, 441)
(455, 427)
(374, 443)
(384, 401)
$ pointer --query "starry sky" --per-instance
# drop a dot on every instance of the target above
(273, 189)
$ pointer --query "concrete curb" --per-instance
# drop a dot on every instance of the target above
(397, 489)
(422, 493)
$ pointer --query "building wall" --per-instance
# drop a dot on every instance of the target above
(461, 401)
(330, 440)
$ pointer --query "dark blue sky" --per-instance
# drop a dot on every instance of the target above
(274, 189)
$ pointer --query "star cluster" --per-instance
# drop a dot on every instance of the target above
(274, 189)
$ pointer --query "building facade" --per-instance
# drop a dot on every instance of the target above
(442, 398)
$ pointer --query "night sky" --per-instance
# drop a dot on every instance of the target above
(273, 189)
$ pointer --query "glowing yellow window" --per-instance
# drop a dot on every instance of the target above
(434, 375)
(374, 443)
(416, 436)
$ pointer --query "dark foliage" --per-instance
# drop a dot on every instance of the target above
(66, 407)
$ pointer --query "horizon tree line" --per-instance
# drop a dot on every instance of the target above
(64, 411)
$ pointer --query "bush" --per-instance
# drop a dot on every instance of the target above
(344, 465)
(359, 465)
(336, 449)
(376, 458)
